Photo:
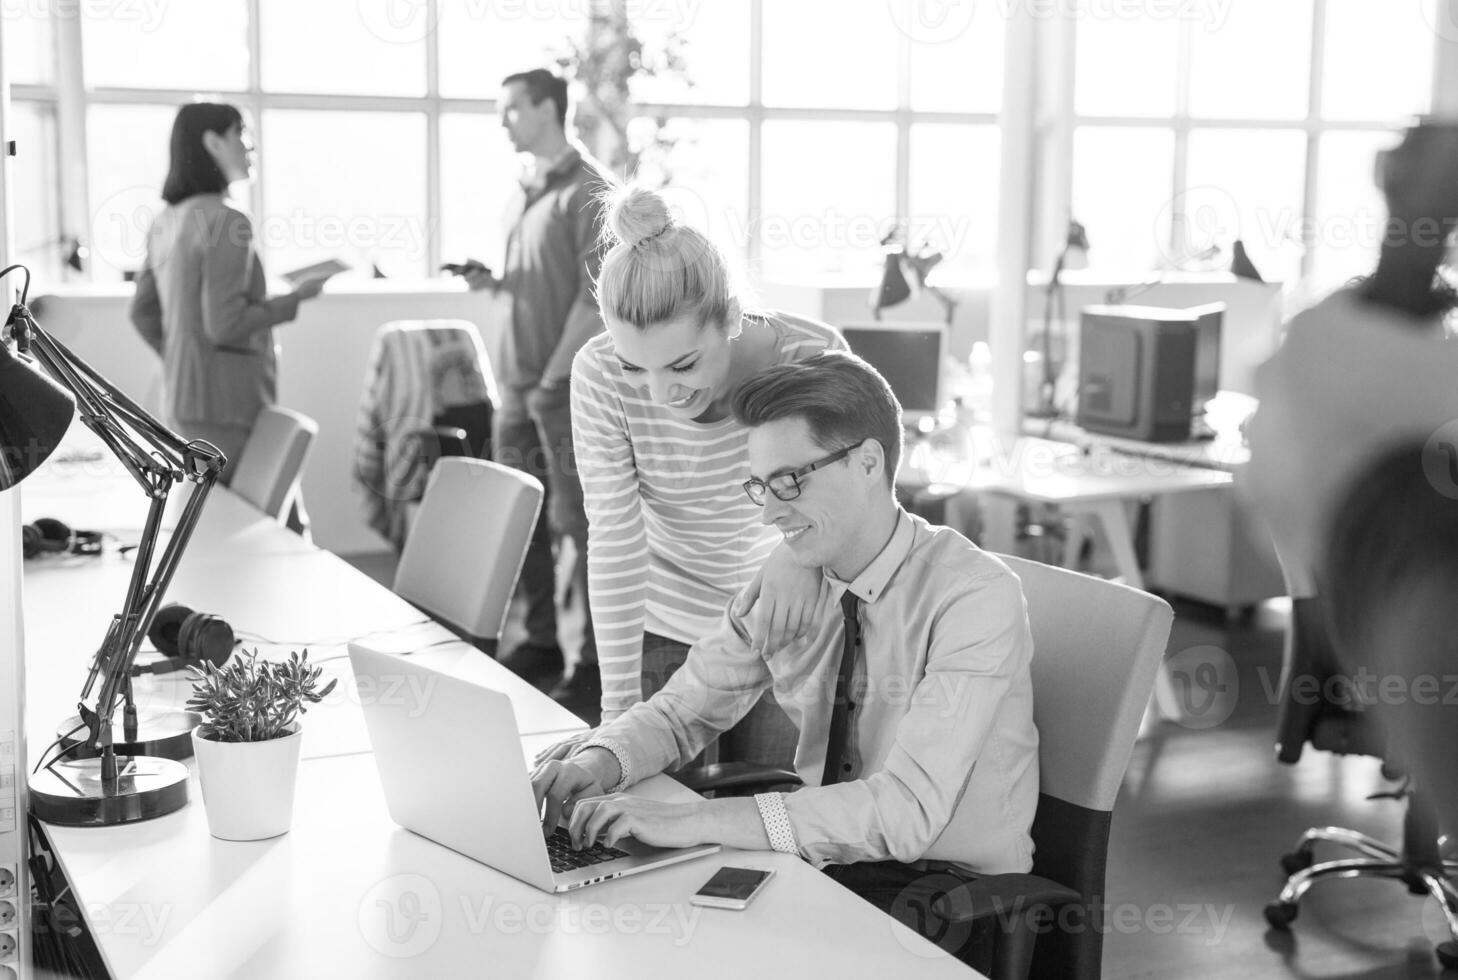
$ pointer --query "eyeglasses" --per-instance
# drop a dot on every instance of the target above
(786, 486)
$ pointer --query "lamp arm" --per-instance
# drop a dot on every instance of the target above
(128, 431)
(103, 408)
(1055, 283)
(143, 598)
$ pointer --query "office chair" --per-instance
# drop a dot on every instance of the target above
(465, 551)
(273, 458)
(1377, 562)
(428, 393)
(1097, 646)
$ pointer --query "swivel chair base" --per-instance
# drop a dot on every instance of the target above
(1432, 876)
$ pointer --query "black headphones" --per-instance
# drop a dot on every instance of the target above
(187, 639)
(48, 536)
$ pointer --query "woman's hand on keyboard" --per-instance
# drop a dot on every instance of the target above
(559, 787)
(562, 749)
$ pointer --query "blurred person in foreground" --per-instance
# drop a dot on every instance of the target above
(1354, 459)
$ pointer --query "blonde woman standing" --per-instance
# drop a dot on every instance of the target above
(672, 538)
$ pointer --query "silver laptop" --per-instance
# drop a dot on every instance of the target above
(451, 764)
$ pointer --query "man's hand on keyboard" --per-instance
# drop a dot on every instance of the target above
(609, 819)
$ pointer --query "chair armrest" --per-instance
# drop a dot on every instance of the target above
(1018, 904)
(996, 895)
(735, 778)
(437, 441)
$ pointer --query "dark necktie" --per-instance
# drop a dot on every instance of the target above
(837, 765)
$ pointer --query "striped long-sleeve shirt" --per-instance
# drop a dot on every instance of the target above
(671, 534)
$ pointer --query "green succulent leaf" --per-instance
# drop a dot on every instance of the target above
(254, 701)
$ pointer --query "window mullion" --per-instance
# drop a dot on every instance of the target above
(755, 202)
(1184, 72)
(903, 129)
(1310, 196)
(434, 207)
(256, 103)
(75, 162)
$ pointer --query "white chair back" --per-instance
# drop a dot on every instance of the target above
(467, 543)
(1097, 646)
(268, 470)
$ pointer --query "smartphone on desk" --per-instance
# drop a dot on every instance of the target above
(731, 888)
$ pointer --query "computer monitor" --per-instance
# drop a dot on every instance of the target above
(1146, 372)
(909, 356)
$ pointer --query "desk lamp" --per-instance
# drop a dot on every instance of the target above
(894, 287)
(1073, 255)
(117, 785)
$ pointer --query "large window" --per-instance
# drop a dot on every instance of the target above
(798, 133)
(1251, 119)
(797, 146)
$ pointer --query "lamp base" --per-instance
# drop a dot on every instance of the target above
(71, 794)
(165, 734)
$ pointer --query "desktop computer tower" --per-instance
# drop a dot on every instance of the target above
(1145, 373)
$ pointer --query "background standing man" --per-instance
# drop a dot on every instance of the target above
(552, 258)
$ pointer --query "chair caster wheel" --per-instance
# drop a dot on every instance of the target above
(1280, 915)
(1448, 955)
(1297, 861)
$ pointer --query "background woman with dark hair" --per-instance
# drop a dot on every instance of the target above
(201, 301)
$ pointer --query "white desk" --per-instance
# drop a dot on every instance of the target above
(1091, 485)
(1095, 485)
(310, 599)
(346, 892)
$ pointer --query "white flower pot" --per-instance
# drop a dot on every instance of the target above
(248, 787)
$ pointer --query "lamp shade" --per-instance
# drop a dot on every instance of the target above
(1240, 264)
(35, 413)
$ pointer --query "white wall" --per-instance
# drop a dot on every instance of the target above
(323, 358)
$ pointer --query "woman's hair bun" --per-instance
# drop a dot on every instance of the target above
(636, 214)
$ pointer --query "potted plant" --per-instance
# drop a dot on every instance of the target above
(247, 747)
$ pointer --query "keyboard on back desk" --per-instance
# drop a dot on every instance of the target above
(564, 858)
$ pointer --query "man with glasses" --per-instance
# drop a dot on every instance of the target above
(912, 694)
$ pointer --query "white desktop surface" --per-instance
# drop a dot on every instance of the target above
(347, 893)
(1059, 473)
(277, 602)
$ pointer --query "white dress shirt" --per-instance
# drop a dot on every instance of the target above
(943, 749)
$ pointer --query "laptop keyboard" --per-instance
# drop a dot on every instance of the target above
(564, 858)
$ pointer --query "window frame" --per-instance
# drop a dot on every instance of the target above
(1053, 128)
